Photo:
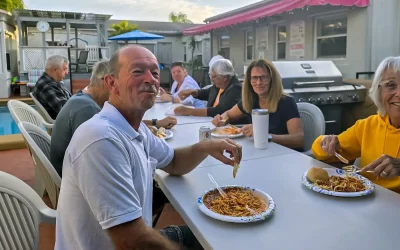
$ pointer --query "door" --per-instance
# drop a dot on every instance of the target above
(164, 53)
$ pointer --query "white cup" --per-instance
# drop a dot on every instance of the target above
(260, 120)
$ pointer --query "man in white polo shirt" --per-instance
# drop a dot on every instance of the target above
(106, 192)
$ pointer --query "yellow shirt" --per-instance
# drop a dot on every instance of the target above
(369, 139)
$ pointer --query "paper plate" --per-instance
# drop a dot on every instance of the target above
(248, 219)
(169, 134)
(338, 172)
(170, 111)
(160, 101)
(217, 135)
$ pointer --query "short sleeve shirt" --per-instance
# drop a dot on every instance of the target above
(107, 179)
(286, 110)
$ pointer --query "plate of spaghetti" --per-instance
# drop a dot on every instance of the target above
(241, 204)
(337, 182)
(226, 132)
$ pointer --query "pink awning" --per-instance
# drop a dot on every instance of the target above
(270, 10)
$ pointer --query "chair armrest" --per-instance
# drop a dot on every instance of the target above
(48, 215)
(309, 153)
(48, 125)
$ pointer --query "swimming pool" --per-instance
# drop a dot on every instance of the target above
(7, 124)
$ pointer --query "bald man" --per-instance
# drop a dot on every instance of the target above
(106, 193)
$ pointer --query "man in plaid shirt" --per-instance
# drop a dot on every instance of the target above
(49, 90)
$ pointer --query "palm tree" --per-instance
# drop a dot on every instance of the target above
(10, 5)
(123, 27)
(179, 18)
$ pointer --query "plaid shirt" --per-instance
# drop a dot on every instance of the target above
(51, 94)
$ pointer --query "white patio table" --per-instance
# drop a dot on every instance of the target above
(188, 134)
(159, 110)
(303, 218)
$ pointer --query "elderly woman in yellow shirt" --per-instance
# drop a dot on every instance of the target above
(375, 139)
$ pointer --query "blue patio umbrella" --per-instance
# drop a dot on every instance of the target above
(135, 35)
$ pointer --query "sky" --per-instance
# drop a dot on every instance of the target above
(143, 10)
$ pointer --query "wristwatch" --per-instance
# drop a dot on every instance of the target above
(269, 138)
(154, 122)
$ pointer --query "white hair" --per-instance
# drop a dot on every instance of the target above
(56, 61)
(389, 63)
(100, 69)
(222, 67)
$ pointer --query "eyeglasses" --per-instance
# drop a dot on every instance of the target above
(213, 76)
(264, 78)
(390, 86)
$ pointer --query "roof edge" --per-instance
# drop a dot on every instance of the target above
(239, 10)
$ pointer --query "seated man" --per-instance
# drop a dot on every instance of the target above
(105, 197)
(48, 89)
(80, 108)
(223, 95)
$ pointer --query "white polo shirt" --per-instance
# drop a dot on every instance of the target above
(107, 179)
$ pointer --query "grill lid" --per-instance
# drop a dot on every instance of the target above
(306, 74)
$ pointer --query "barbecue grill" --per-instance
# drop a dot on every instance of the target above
(320, 83)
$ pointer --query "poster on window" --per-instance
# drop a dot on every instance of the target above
(297, 38)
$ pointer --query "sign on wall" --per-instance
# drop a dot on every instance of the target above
(262, 41)
(297, 38)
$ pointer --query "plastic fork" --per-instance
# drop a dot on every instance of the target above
(221, 192)
(341, 158)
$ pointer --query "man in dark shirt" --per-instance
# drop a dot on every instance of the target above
(225, 92)
(49, 90)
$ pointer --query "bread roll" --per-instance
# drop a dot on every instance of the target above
(319, 174)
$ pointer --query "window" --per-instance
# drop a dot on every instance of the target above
(8, 41)
(149, 46)
(331, 36)
(281, 36)
(249, 45)
(199, 47)
(224, 45)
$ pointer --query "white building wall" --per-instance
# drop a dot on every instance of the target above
(7, 30)
(356, 40)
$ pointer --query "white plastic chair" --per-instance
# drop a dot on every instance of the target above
(313, 124)
(39, 144)
(21, 212)
(22, 112)
(42, 111)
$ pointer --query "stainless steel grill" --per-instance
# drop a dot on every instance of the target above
(320, 83)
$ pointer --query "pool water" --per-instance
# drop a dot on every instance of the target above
(7, 124)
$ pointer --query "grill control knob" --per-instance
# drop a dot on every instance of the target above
(339, 98)
(311, 100)
(302, 100)
(329, 99)
(320, 100)
(355, 97)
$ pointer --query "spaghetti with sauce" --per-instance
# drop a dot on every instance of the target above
(228, 131)
(342, 184)
(238, 202)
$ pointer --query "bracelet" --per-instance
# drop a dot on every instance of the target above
(154, 122)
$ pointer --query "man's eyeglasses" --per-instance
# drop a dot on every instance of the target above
(254, 79)
(390, 86)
